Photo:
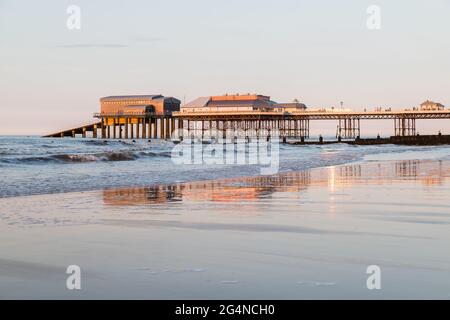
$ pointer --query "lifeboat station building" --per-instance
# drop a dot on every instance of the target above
(137, 116)
(156, 104)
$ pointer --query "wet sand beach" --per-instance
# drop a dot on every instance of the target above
(297, 235)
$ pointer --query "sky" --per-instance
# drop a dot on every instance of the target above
(320, 52)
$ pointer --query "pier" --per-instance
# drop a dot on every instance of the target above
(290, 125)
(158, 117)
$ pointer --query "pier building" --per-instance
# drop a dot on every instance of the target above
(431, 106)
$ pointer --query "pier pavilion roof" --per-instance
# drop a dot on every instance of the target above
(132, 97)
(214, 103)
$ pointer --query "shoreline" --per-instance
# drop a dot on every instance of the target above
(280, 237)
(292, 156)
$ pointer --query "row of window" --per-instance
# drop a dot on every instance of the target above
(128, 102)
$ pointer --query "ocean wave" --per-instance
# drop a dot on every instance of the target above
(118, 156)
(105, 156)
(74, 157)
(6, 151)
(95, 142)
(79, 158)
(165, 154)
(49, 146)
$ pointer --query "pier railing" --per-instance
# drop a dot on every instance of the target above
(131, 114)
(322, 114)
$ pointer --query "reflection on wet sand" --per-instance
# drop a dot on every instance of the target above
(227, 190)
(269, 234)
(429, 173)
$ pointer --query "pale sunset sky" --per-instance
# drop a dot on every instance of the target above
(320, 52)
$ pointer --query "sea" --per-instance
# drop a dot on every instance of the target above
(33, 165)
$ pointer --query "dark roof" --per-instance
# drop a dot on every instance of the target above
(171, 99)
(292, 105)
(132, 97)
(242, 103)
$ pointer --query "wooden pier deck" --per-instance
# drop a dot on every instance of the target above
(83, 130)
(316, 115)
(289, 124)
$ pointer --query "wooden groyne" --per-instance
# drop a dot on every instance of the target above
(425, 140)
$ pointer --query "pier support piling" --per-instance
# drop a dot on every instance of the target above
(349, 128)
(405, 127)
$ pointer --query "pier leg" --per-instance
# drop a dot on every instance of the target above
(405, 127)
(296, 129)
(224, 129)
(291, 129)
(103, 129)
(172, 126)
(203, 128)
(359, 129)
(307, 133)
(161, 125)
(132, 129)
(144, 128)
(155, 128)
(126, 128)
(167, 127)
(345, 128)
(149, 128)
(138, 130)
(180, 123)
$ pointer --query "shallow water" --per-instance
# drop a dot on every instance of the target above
(308, 234)
(32, 165)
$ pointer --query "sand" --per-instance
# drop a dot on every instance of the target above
(302, 235)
